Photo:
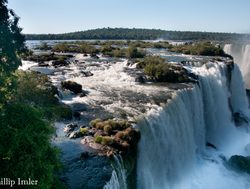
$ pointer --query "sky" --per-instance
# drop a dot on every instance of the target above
(61, 16)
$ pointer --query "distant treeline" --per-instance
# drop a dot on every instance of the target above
(139, 34)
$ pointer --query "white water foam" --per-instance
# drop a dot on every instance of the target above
(172, 152)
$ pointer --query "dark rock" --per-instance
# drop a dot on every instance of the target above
(85, 155)
(84, 93)
(72, 86)
(248, 95)
(76, 114)
(193, 76)
(86, 73)
(208, 144)
(42, 64)
(94, 56)
(85, 55)
(240, 163)
(140, 79)
(240, 118)
(70, 127)
(59, 63)
(92, 131)
(75, 134)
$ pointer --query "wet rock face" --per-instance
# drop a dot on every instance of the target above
(140, 79)
(76, 134)
(72, 86)
(240, 163)
(240, 119)
(69, 128)
(59, 63)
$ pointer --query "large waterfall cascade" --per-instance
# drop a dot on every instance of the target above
(241, 55)
(172, 150)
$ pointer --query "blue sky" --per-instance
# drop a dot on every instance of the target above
(60, 16)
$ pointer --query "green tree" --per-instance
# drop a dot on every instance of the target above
(25, 149)
(11, 39)
(11, 44)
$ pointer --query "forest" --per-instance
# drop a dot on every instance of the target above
(139, 34)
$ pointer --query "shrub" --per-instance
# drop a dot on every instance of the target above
(36, 90)
(107, 140)
(107, 128)
(94, 122)
(166, 72)
(158, 69)
(119, 135)
(133, 52)
(84, 130)
(98, 139)
(150, 60)
(99, 125)
(201, 48)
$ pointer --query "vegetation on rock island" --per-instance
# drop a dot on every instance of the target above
(159, 70)
(200, 48)
(26, 104)
(118, 135)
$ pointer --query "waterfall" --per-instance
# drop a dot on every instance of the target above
(172, 151)
(239, 100)
(171, 136)
(118, 179)
(241, 55)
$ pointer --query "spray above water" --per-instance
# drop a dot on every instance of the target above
(241, 55)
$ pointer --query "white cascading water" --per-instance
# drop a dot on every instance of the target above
(239, 100)
(170, 138)
(118, 179)
(241, 55)
(172, 151)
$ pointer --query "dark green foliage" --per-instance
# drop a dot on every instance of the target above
(44, 57)
(11, 44)
(25, 151)
(140, 34)
(35, 89)
(201, 48)
(150, 60)
(159, 70)
(134, 52)
(79, 47)
(109, 124)
(11, 40)
(104, 140)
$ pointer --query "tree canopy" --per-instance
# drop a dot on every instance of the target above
(11, 39)
(25, 148)
(138, 34)
(11, 44)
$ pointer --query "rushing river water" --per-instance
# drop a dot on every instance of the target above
(172, 152)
